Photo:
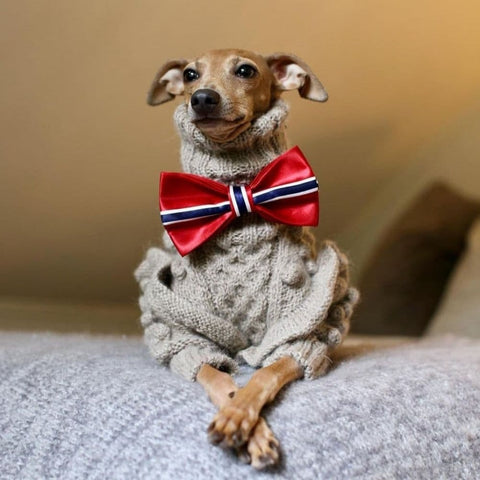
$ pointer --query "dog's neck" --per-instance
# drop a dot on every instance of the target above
(240, 160)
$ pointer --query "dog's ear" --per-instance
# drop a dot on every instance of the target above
(292, 73)
(168, 82)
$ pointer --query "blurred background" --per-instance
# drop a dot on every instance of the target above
(80, 150)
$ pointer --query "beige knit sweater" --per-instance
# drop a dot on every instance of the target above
(254, 292)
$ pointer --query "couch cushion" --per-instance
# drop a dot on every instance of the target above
(74, 407)
(459, 311)
(409, 269)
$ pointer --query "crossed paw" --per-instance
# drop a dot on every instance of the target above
(240, 427)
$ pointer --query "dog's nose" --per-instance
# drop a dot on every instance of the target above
(205, 101)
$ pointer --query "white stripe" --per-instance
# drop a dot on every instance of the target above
(184, 220)
(290, 195)
(193, 209)
(234, 201)
(245, 198)
(283, 186)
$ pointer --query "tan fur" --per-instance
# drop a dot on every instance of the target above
(243, 99)
(238, 423)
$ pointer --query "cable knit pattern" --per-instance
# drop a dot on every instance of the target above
(239, 160)
(254, 292)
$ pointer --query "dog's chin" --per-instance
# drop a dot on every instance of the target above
(220, 130)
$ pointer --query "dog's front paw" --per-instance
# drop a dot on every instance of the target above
(233, 424)
(263, 448)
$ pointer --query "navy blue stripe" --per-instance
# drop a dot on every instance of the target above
(242, 207)
(192, 215)
(281, 191)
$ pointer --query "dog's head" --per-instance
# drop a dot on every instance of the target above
(225, 90)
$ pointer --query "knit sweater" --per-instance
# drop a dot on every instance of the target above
(254, 292)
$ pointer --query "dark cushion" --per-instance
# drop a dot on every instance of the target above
(406, 276)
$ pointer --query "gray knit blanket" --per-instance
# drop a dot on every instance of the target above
(79, 407)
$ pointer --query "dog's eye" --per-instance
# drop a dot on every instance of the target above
(189, 75)
(246, 71)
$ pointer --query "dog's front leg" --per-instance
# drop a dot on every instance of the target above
(236, 420)
(262, 448)
(219, 386)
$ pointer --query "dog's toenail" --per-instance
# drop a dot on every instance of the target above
(244, 456)
(231, 394)
(266, 461)
(237, 439)
(211, 427)
(216, 437)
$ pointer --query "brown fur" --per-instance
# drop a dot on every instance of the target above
(243, 99)
(238, 423)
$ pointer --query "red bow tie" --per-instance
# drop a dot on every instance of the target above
(193, 208)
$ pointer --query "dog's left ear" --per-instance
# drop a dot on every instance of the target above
(168, 82)
(292, 73)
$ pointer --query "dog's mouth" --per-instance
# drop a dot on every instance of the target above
(221, 130)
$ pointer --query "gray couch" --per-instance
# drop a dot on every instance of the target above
(98, 407)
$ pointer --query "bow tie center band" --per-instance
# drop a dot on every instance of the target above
(193, 208)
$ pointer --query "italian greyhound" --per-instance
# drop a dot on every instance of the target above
(226, 94)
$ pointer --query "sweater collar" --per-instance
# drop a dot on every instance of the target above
(241, 159)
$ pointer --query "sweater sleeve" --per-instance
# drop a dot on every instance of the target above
(310, 353)
(169, 342)
(184, 351)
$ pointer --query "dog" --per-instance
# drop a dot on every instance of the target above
(254, 291)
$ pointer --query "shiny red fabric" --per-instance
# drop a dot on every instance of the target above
(181, 190)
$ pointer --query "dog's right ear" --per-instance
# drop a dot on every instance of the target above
(168, 82)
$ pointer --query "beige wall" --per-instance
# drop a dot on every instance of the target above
(452, 156)
(80, 151)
